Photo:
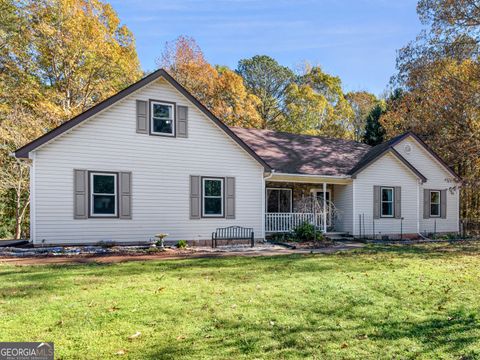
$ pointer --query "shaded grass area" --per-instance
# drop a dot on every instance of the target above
(404, 302)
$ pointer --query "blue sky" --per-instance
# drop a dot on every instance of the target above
(354, 39)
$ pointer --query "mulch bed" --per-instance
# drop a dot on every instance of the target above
(308, 244)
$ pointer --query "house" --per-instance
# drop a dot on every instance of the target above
(153, 159)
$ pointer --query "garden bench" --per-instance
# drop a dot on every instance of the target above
(233, 233)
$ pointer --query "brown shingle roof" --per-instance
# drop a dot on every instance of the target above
(303, 154)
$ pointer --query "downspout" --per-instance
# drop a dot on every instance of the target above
(264, 182)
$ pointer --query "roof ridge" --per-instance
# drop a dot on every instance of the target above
(302, 135)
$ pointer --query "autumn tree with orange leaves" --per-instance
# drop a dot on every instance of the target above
(439, 75)
(57, 59)
(220, 89)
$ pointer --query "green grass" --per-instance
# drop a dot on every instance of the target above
(379, 302)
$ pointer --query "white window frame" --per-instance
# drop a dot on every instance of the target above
(115, 193)
(281, 189)
(172, 105)
(439, 203)
(222, 196)
(382, 201)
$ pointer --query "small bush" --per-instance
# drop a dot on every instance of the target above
(107, 244)
(280, 237)
(320, 237)
(182, 244)
(304, 232)
(153, 250)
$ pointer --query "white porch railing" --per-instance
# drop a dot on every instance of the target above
(285, 222)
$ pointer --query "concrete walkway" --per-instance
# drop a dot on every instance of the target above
(193, 253)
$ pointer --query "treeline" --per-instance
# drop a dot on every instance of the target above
(60, 57)
(261, 93)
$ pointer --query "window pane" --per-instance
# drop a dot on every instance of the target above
(272, 200)
(104, 204)
(162, 111)
(387, 209)
(213, 188)
(103, 184)
(162, 126)
(284, 201)
(213, 206)
(320, 197)
(387, 194)
(435, 209)
(435, 197)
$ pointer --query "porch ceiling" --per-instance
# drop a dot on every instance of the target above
(311, 179)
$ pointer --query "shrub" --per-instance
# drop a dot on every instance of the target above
(182, 244)
(320, 237)
(107, 244)
(279, 237)
(304, 232)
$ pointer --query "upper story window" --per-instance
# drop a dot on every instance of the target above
(387, 200)
(103, 194)
(212, 190)
(162, 118)
(434, 203)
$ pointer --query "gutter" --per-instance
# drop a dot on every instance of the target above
(269, 175)
(313, 176)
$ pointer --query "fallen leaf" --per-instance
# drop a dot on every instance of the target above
(160, 289)
(120, 352)
(181, 337)
(344, 345)
(134, 336)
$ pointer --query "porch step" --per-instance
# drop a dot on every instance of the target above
(336, 235)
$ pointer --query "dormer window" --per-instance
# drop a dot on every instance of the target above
(162, 118)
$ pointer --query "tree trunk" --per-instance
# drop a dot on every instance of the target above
(19, 216)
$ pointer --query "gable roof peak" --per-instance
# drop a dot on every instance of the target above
(24, 151)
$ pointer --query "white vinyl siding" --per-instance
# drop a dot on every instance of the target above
(161, 169)
(343, 201)
(387, 172)
(437, 179)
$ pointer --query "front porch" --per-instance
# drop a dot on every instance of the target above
(292, 202)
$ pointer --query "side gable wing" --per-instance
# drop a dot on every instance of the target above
(388, 146)
(377, 153)
(433, 154)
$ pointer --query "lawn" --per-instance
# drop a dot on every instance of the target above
(378, 302)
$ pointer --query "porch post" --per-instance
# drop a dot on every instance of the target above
(324, 207)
